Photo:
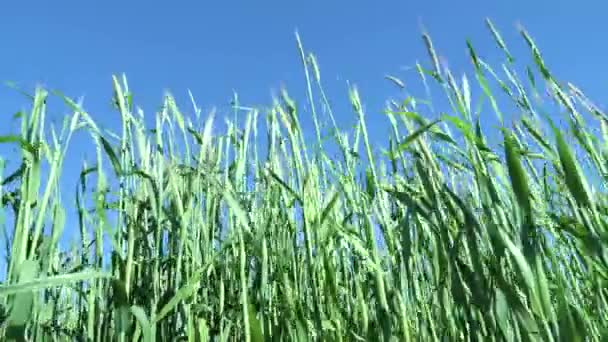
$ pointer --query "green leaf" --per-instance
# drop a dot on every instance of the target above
(370, 183)
(49, 282)
(255, 328)
(18, 115)
(410, 115)
(197, 136)
(445, 137)
(237, 209)
(14, 86)
(22, 304)
(183, 293)
(502, 314)
(120, 300)
(395, 80)
(16, 139)
(144, 322)
(112, 155)
(330, 205)
(571, 325)
(412, 137)
(464, 127)
(525, 272)
(285, 185)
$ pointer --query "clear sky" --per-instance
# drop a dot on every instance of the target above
(213, 48)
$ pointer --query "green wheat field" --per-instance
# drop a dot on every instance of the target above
(452, 231)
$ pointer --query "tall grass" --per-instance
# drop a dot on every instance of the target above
(192, 234)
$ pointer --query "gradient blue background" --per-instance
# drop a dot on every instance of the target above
(215, 48)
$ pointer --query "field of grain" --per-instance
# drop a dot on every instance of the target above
(192, 233)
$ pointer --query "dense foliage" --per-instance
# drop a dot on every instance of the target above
(258, 233)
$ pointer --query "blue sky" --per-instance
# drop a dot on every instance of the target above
(213, 48)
